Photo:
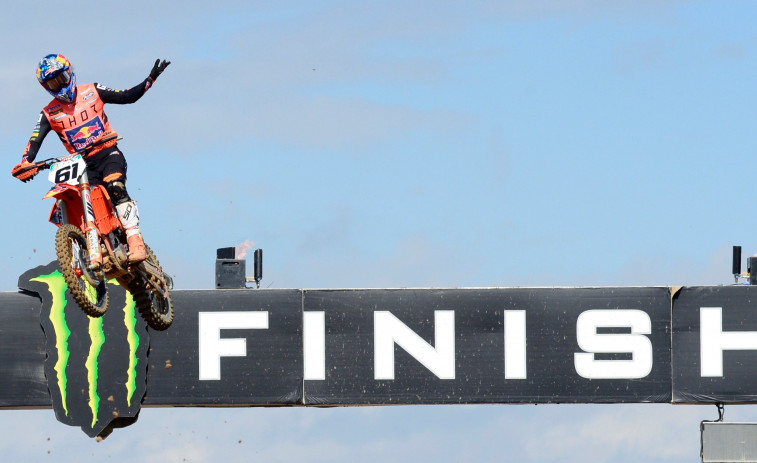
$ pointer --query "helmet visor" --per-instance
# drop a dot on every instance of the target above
(58, 82)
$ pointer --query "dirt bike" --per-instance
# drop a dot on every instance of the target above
(91, 245)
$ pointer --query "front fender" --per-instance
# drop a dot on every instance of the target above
(67, 207)
(59, 214)
(61, 189)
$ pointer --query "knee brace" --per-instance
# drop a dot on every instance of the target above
(117, 192)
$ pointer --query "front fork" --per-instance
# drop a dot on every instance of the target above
(90, 229)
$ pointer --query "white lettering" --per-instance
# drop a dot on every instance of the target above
(635, 343)
(515, 344)
(314, 345)
(389, 330)
(212, 347)
(713, 341)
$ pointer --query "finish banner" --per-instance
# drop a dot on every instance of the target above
(378, 346)
(349, 347)
(517, 345)
(715, 345)
(413, 346)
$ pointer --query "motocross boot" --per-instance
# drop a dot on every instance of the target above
(129, 216)
(137, 250)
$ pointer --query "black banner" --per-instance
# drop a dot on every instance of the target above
(229, 347)
(715, 345)
(524, 345)
(22, 352)
(402, 346)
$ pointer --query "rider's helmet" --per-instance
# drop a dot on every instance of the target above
(56, 74)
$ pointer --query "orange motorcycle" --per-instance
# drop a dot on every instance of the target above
(91, 245)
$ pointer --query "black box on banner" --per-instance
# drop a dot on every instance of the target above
(226, 253)
(230, 273)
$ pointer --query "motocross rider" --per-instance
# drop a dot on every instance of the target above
(76, 115)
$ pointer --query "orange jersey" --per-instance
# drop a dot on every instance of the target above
(81, 123)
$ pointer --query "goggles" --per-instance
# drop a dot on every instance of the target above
(58, 82)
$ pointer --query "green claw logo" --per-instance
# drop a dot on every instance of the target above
(96, 368)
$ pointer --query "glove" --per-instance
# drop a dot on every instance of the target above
(158, 68)
(24, 175)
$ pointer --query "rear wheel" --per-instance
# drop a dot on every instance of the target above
(152, 298)
(88, 288)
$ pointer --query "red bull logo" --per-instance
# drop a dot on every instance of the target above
(86, 132)
(81, 136)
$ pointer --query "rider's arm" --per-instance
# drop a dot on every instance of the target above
(129, 96)
(40, 132)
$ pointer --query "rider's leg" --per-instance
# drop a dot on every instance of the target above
(128, 214)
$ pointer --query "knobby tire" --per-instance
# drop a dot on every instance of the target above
(71, 250)
(156, 309)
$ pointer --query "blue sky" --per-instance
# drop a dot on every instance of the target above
(406, 144)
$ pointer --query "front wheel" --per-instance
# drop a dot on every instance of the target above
(88, 289)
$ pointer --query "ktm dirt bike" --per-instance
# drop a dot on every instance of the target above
(91, 245)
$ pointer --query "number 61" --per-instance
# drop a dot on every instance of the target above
(64, 174)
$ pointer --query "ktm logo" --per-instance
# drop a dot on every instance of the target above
(96, 368)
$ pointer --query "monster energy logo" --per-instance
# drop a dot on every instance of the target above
(96, 367)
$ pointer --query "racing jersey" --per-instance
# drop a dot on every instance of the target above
(82, 122)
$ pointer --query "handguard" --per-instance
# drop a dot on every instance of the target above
(25, 171)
